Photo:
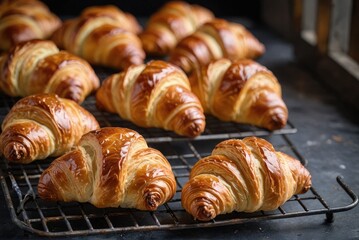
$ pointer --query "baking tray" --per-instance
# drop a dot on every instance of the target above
(32, 214)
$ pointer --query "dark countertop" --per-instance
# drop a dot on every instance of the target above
(327, 137)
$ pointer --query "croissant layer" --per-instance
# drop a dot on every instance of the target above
(171, 23)
(241, 91)
(102, 35)
(156, 94)
(110, 167)
(213, 40)
(23, 20)
(38, 66)
(243, 175)
(43, 125)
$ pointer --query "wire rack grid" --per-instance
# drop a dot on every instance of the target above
(29, 212)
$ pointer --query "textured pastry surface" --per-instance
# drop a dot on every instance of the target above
(215, 39)
(156, 94)
(242, 91)
(43, 125)
(102, 36)
(38, 66)
(123, 19)
(110, 167)
(172, 22)
(243, 175)
(23, 20)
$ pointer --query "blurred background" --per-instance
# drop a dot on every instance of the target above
(139, 8)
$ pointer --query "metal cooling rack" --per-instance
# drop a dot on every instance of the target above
(32, 214)
(215, 129)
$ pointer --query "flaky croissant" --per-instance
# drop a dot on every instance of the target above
(122, 19)
(23, 20)
(43, 125)
(37, 66)
(102, 36)
(242, 91)
(110, 167)
(172, 22)
(156, 94)
(243, 175)
(215, 39)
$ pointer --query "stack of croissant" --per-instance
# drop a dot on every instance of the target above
(210, 70)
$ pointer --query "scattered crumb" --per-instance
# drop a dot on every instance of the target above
(312, 143)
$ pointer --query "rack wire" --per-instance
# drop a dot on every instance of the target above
(32, 214)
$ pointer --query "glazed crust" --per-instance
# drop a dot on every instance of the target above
(241, 91)
(215, 39)
(102, 35)
(43, 125)
(37, 66)
(243, 175)
(110, 167)
(156, 94)
(23, 20)
(171, 23)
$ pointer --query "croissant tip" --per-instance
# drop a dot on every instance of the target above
(308, 184)
(15, 152)
(152, 200)
(277, 121)
(194, 128)
(205, 213)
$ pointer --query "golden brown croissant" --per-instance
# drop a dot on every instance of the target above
(174, 21)
(37, 66)
(102, 36)
(23, 20)
(156, 94)
(43, 125)
(243, 175)
(214, 40)
(110, 167)
(242, 91)
(125, 20)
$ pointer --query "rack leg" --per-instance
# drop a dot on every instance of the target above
(329, 217)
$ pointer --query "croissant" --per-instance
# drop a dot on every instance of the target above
(243, 175)
(23, 20)
(110, 167)
(43, 125)
(125, 20)
(37, 66)
(102, 36)
(242, 91)
(214, 40)
(156, 94)
(172, 22)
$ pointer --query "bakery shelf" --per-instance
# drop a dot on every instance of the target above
(32, 214)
